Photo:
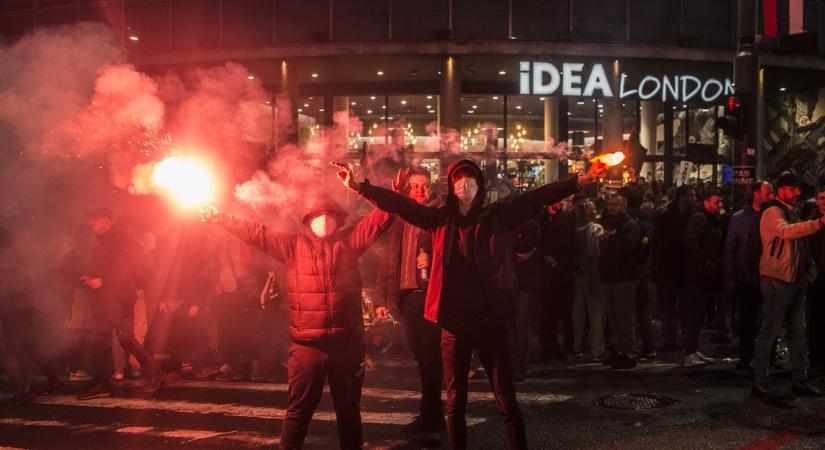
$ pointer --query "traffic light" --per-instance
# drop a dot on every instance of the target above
(733, 121)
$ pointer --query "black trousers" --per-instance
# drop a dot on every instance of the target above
(118, 316)
(489, 339)
(558, 294)
(673, 310)
(698, 298)
(816, 321)
(749, 311)
(342, 362)
(643, 317)
(424, 339)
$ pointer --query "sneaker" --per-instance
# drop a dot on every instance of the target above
(154, 380)
(806, 389)
(760, 390)
(99, 390)
(623, 362)
(207, 372)
(420, 425)
(705, 358)
(694, 360)
(79, 376)
(117, 376)
(417, 425)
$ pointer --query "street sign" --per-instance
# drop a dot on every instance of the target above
(744, 175)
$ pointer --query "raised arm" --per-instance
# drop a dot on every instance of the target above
(424, 217)
(527, 206)
(369, 229)
(774, 222)
(279, 245)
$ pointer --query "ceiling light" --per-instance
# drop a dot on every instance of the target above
(783, 89)
(306, 105)
(541, 99)
(352, 103)
(429, 97)
(579, 103)
(321, 109)
(372, 97)
(403, 102)
(369, 111)
(380, 73)
(251, 77)
(518, 106)
(470, 111)
(501, 72)
(429, 106)
(475, 106)
(314, 75)
(134, 38)
(300, 110)
(495, 98)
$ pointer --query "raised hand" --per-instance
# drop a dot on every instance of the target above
(400, 179)
(597, 169)
(346, 176)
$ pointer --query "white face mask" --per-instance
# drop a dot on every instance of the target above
(465, 189)
(323, 225)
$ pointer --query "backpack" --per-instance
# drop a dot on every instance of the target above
(753, 245)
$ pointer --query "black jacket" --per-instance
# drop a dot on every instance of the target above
(526, 237)
(493, 252)
(618, 258)
(703, 243)
(669, 251)
(558, 241)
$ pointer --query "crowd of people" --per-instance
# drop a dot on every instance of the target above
(580, 268)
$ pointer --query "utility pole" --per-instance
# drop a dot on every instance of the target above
(746, 83)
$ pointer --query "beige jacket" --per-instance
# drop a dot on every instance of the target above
(783, 246)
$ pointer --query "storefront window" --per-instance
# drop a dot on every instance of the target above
(414, 124)
(525, 124)
(581, 126)
(680, 126)
(369, 129)
(482, 123)
(310, 123)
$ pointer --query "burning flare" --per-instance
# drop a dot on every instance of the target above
(609, 159)
(186, 180)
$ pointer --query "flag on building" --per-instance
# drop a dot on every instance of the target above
(782, 17)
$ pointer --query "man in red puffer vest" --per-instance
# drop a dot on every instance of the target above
(325, 319)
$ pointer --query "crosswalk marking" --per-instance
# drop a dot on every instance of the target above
(228, 409)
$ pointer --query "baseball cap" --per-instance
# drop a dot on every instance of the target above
(788, 179)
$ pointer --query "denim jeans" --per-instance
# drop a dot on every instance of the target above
(781, 301)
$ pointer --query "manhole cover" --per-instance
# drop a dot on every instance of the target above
(634, 402)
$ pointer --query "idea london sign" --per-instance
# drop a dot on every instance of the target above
(574, 79)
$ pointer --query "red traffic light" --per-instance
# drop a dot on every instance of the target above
(734, 103)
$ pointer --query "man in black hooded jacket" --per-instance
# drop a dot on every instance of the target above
(472, 282)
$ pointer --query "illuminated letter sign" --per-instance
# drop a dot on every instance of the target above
(544, 78)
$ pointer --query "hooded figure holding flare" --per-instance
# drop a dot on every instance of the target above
(472, 281)
(325, 319)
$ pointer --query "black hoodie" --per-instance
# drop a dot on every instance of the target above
(484, 245)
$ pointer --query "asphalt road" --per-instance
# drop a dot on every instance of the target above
(708, 408)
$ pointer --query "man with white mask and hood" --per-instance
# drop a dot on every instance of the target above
(472, 280)
(326, 323)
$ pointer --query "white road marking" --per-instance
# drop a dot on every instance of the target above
(227, 409)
